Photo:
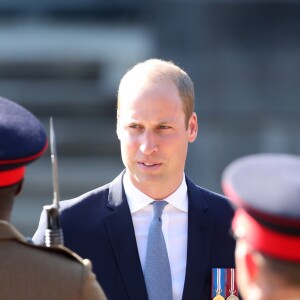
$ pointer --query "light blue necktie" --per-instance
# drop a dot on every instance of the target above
(157, 270)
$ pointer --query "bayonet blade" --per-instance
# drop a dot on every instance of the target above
(56, 195)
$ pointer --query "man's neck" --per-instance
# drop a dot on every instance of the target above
(157, 191)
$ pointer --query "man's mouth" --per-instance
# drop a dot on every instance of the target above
(149, 165)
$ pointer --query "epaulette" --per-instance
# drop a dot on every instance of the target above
(59, 250)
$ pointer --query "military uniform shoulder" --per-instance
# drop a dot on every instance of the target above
(9, 232)
(61, 250)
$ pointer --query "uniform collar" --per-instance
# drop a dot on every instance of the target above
(9, 232)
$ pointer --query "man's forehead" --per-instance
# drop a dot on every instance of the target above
(132, 116)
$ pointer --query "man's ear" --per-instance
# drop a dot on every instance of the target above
(251, 265)
(193, 127)
(19, 187)
(118, 131)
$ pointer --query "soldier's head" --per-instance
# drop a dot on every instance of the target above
(22, 140)
(265, 190)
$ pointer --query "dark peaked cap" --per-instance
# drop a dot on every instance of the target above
(265, 189)
(22, 140)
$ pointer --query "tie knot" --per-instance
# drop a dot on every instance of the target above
(158, 207)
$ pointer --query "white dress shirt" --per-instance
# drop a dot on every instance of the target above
(174, 227)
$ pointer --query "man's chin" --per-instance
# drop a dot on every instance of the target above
(148, 180)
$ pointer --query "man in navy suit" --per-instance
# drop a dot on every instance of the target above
(109, 225)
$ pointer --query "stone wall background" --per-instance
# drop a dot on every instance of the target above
(65, 59)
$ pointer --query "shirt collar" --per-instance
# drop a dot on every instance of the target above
(138, 200)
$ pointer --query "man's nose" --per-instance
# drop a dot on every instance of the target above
(148, 143)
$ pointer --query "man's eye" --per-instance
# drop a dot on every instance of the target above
(135, 126)
(164, 127)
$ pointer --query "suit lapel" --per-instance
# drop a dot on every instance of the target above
(200, 232)
(120, 228)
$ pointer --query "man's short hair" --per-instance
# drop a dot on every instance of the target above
(157, 71)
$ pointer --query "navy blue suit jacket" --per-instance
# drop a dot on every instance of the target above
(98, 226)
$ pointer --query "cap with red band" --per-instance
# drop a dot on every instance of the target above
(23, 139)
(265, 190)
(270, 242)
(10, 177)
